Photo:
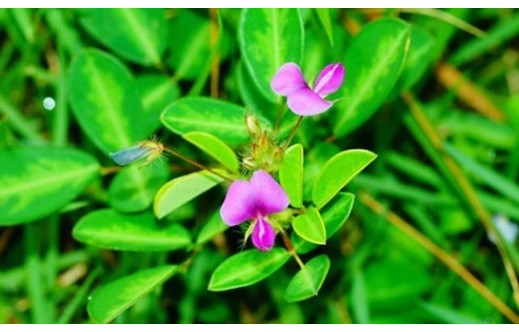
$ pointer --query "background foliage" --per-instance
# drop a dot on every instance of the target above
(434, 93)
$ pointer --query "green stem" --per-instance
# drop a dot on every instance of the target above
(35, 287)
(61, 118)
(195, 163)
(294, 131)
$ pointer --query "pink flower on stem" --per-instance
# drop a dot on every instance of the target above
(255, 200)
(301, 99)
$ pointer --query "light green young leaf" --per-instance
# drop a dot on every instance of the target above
(310, 226)
(372, 72)
(221, 119)
(138, 35)
(215, 148)
(264, 43)
(308, 281)
(181, 190)
(337, 172)
(247, 268)
(37, 181)
(291, 174)
(109, 301)
(109, 229)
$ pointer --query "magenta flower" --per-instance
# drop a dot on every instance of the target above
(301, 99)
(255, 200)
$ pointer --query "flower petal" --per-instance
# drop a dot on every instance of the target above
(268, 194)
(307, 102)
(329, 79)
(263, 235)
(288, 79)
(239, 204)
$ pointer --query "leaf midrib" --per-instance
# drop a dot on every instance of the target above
(45, 181)
(140, 34)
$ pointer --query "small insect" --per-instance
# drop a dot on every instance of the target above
(148, 149)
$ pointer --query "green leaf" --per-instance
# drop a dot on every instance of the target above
(138, 35)
(337, 172)
(264, 43)
(418, 59)
(192, 44)
(109, 301)
(291, 174)
(221, 119)
(134, 187)
(252, 98)
(181, 190)
(310, 226)
(215, 148)
(157, 92)
(215, 225)
(324, 17)
(499, 34)
(334, 216)
(105, 101)
(37, 181)
(372, 72)
(110, 229)
(247, 268)
(307, 282)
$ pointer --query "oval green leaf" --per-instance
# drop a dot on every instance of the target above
(215, 148)
(337, 172)
(308, 281)
(109, 301)
(373, 61)
(310, 226)
(37, 181)
(181, 190)
(262, 36)
(291, 174)
(137, 35)
(110, 229)
(157, 92)
(105, 101)
(134, 187)
(247, 268)
(221, 119)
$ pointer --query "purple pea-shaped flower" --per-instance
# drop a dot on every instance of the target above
(255, 200)
(301, 99)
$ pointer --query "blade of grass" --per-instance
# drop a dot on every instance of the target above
(79, 298)
(442, 255)
(463, 185)
(16, 121)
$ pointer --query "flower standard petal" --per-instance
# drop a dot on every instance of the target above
(306, 102)
(268, 194)
(288, 79)
(263, 235)
(329, 80)
(239, 204)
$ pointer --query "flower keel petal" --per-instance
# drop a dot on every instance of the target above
(263, 235)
